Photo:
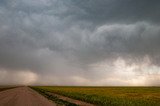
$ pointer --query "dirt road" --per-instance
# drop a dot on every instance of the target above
(23, 96)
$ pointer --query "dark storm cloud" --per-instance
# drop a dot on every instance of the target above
(113, 11)
(65, 38)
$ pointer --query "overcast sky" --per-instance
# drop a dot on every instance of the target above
(80, 42)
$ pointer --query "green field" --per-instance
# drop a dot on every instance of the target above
(110, 96)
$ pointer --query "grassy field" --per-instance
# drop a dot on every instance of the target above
(110, 96)
(58, 101)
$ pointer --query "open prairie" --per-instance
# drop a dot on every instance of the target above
(109, 96)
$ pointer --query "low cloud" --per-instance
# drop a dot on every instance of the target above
(79, 42)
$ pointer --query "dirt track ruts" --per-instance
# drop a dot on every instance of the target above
(23, 96)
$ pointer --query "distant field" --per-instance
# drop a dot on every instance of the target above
(110, 96)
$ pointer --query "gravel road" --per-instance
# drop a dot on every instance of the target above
(23, 96)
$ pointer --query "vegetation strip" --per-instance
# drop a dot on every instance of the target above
(110, 96)
(3, 88)
(53, 98)
(77, 102)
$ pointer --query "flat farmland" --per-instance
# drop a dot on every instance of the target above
(109, 96)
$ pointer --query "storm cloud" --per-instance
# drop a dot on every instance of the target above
(80, 42)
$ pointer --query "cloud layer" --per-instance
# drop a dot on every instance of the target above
(79, 42)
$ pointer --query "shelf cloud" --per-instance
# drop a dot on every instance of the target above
(79, 42)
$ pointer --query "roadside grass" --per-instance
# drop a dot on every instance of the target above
(53, 98)
(110, 96)
(5, 88)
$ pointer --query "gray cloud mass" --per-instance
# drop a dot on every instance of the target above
(80, 42)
